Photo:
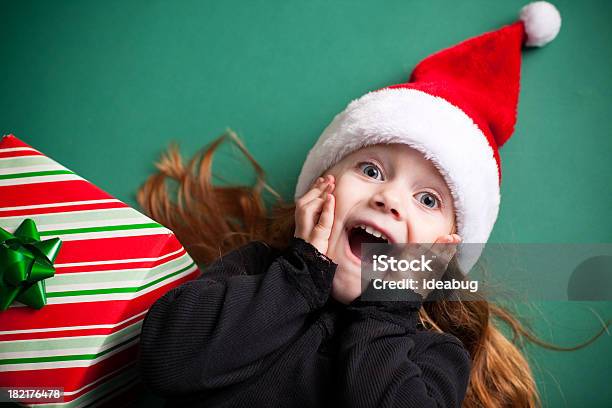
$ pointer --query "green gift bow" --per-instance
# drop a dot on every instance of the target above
(25, 263)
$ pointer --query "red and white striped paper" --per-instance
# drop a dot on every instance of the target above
(113, 264)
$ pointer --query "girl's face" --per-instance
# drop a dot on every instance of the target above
(393, 188)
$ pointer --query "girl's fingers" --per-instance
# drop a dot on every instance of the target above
(307, 215)
(311, 194)
(322, 230)
(314, 214)
(316, 191)
(444, 242)
(314, 207)
(444, 249)
(327, 214)
(311, 211)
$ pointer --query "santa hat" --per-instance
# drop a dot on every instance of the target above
(458, 108)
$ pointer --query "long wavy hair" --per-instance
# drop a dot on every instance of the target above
(212, 220)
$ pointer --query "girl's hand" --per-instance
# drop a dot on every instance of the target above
(441, 253)
(347, 287)
(314, 214)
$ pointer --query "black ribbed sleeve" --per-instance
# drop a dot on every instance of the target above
(385, 361)
(231, 324)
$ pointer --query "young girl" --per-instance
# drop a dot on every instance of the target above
(267, 327)
(278, 317)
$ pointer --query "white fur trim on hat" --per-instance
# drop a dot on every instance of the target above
(542, 23)
(432, 125)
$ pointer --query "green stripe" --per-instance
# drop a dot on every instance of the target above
(76, 219)
(116, 290)
(34, 174)
(109, 277)
(101, 229)
(82, 341)
(64, 358)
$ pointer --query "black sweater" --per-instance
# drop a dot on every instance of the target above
(260, 329)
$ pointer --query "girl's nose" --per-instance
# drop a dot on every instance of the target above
(389, 201)
(393, 210)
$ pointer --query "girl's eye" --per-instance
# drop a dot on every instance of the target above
(429, 200)
(370, 169)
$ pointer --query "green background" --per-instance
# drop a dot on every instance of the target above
(103, 87)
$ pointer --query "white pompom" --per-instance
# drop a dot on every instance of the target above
(542, 23)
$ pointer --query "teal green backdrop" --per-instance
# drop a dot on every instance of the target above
(103, 87)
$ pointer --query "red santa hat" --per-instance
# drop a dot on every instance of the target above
(458, 108)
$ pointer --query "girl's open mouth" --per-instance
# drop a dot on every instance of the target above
(357, 236)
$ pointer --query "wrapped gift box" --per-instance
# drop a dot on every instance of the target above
(113, 263)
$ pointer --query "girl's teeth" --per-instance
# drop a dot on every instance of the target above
(372, 231)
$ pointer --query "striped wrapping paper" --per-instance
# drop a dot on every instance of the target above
(113, 264)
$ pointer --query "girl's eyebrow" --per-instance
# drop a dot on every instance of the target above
(438, 184)
(373, 154)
